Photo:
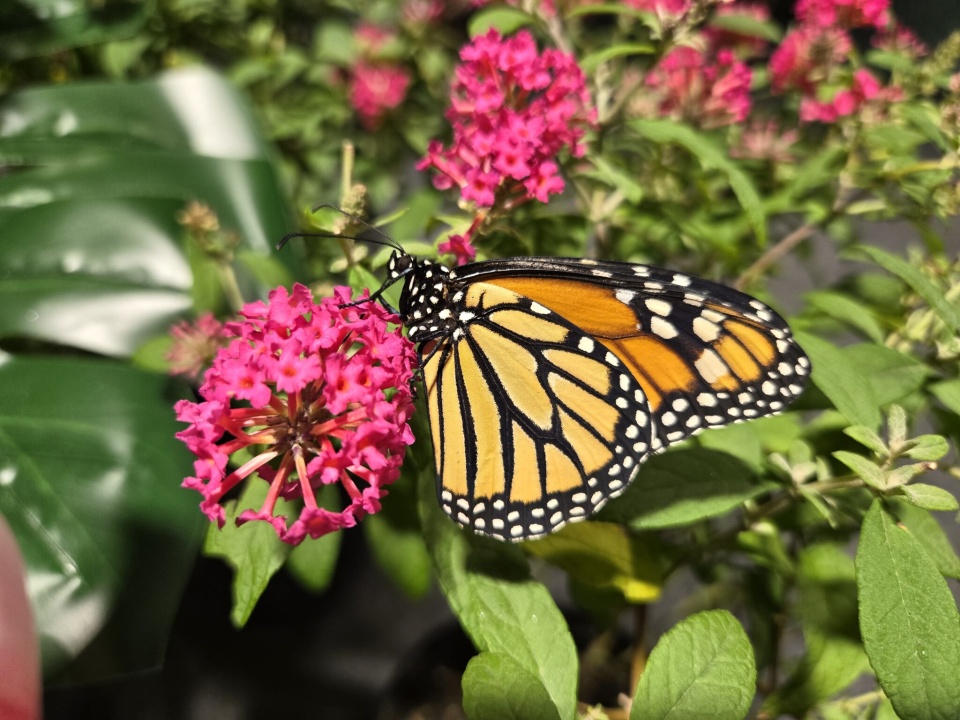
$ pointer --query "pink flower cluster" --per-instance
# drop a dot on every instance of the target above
(376, 85)
(513, 110)
(318, 394)
(813, 58)
(844, 13)
(707, 93)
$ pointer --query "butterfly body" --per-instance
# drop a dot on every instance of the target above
(550, 380)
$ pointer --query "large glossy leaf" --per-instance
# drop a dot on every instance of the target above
(29, 28)
(90, 243)
(89, 482)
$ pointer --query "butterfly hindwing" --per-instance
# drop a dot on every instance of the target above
(535, 423)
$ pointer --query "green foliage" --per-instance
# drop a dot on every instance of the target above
(908, 619)
(102, 248)
(702, 668)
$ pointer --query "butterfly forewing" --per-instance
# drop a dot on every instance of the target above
(704, 354)
(535, 423)
(549, 380)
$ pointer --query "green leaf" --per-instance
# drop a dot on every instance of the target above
(683, 487)
(747, 25)
(928, 532)
(503, 610)
(505, 20)
(89, 483)
(253, 550)
(924, 287)
(892, 374)
(841, 381)
(867, 437)
(948, 392)
(908, 620)
(904, 474)
(929, 497)
(497, 687)
(827, 608)
(313, 561)
(594, 60)
(847, 310)
(701, 668)
(711, 156)
(926, 447)
(604, 555)
(620, 179)
(866, 470)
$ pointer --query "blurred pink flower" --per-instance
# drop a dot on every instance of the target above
(864, 87)
(195, 345)
(377, 88)
(844, 13)
(422, 12)
(900, 39)
(764, 139)
(460, 247)
(315, 394)
(806, 57)
(703, 92)
(513, 110)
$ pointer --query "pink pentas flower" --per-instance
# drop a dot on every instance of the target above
(315, 394)
(844, 13)
(460, 247)
(375, 89)
(513, 111)
(194, 345)
(764, 139)
(422, 12)
(807, 57)
(709, 93)
(864, 87)
(900, 39)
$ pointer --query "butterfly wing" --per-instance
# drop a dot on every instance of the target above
(534, 422)
(704, 354)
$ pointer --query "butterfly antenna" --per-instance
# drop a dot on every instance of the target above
(290, 236)
(389, 241)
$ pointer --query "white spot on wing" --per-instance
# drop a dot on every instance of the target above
(662, 328)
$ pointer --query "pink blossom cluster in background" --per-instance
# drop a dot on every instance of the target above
(707, 85)
(710, 92)
(513, 110)
(305, 387)
(376, 85)
(814, 57)
(843, 13)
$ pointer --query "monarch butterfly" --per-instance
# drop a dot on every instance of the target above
(550, 380)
